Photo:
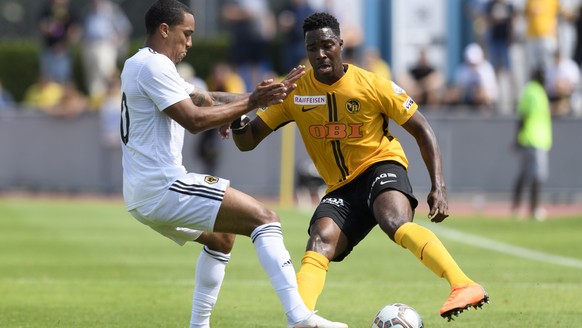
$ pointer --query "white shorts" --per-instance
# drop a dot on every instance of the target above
(186, 209)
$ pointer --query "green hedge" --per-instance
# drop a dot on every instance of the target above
(19, 65)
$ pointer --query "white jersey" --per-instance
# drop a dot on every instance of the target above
(151, 141)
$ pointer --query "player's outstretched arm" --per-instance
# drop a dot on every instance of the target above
(196, 119)
(421, 130)
(203, 98)
(261, 130)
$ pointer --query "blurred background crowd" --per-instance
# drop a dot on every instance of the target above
(476, 54)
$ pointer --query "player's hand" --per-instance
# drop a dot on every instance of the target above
(266, 94)
(292, 77)
(438, 204)
(224, 131)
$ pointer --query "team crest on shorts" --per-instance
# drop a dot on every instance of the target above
(353, 106)
(210, 179)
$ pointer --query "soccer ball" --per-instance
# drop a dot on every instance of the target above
(397, 315)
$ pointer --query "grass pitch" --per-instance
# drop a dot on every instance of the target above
(81, 263)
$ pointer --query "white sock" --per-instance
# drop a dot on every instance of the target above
(209, 276)
(275, 260)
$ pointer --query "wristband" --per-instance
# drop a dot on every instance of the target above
(236, 126)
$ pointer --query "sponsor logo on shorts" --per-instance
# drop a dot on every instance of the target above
(333, 201)
(385, 177)
(210, 179)
(386, 181)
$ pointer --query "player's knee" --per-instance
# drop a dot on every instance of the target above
(222, 242)
(326, 238)
(266, 216)
(392, 224)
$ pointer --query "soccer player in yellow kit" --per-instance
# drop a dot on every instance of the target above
(342, 113)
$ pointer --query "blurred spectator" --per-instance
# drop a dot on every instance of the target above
(533, 140)
(6, 99)
(541, 36)
(476, 11)
(372, 62)
(578, 41)
(351, 24)
(106, 29)
(475, 81)
(109, 119)
(109, 114)
(252, 26)
(290, 21)
(224, 78)
(422, 81)
(55, 99)
(43, 94)
(566, 29)
(562, 78)
(58, 29)
(500, 15)
(72, 104)
(188, 73)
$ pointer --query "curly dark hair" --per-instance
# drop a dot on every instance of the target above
(321, 20)
(170, 12)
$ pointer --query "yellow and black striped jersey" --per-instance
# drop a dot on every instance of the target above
(344, 126)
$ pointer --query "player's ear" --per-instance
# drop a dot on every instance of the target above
(164, 30)
(341, 42)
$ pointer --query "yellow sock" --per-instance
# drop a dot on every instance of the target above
(426, 246)
(311, 277)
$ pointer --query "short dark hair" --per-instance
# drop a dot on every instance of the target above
(321, 20)
(170, 12)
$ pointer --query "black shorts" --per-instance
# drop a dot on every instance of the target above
(350, 206)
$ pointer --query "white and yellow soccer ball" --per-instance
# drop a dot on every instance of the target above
(397, 315)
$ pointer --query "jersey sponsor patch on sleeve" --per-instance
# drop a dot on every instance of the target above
(397, 89)
(407, 104)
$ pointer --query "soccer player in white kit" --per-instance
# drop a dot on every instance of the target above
(157, 106)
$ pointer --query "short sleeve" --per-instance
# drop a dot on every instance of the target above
(275, 116)
(162, 83)
(396, 103)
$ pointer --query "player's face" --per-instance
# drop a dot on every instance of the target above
(180, 38)
(324, 51)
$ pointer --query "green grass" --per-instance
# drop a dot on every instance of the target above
(86, 263)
